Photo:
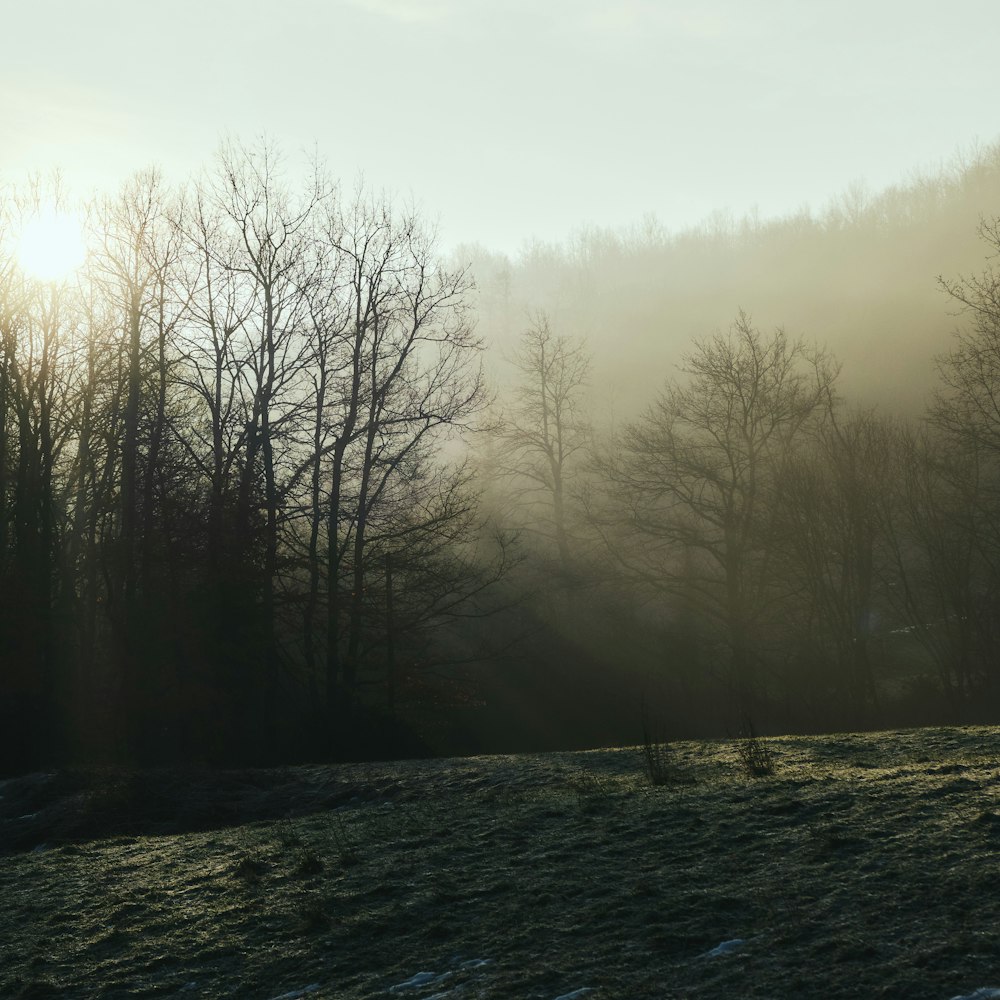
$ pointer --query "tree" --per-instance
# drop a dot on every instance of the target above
(967, 407)
(407, 372)
(241, 426)
(942, 529)
(948, 529)
(545, 431)
(268, 243)
(831, 509)
(693, 483)
(134, 269)
(38, 320)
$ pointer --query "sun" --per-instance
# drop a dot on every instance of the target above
(51, 245)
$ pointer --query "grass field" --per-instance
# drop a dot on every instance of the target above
(865, 866)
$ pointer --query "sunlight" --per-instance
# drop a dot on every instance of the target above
(51, 245)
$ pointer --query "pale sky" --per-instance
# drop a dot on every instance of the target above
(508, 120)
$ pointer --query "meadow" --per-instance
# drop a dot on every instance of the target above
(865, 865)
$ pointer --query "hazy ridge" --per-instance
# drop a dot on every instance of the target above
(859, 276)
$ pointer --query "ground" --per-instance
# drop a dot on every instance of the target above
(865, 866)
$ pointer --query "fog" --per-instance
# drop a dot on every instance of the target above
(858, 276)
(789, 462)
(284, 476)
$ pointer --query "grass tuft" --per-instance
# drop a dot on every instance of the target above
(249, 866)
(341, 841)
(313, 917)
(659, 760)
(309, 864)
(756, 759)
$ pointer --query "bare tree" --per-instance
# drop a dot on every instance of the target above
(250, 260)
(134, 269)
(409, 369)
(953, 494)
(235, 432)
(967, 407)
(693, 483)
(830, 518)
(38, 320)
(545, 431)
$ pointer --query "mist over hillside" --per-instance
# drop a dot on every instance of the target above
(259, 500)
(860, 277)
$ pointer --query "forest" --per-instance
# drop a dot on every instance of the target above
(282, 479)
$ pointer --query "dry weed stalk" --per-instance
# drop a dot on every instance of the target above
(754, 753)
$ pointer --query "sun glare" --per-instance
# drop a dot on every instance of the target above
(51, 246)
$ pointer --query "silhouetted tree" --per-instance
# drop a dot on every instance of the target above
(270, 247)
(134, 269)
(408, 370)
(38, 321)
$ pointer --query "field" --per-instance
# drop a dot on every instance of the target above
(865, 866)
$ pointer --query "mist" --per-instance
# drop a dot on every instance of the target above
(858, 276)
(499, 498)
(284, 477)
(661, 531)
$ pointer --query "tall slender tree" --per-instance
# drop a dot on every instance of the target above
(545, 432)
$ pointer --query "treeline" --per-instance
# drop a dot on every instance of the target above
(228, 530)
(258, 501)
(858, 275)
(772, 550)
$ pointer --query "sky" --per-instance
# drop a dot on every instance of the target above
(508, 121)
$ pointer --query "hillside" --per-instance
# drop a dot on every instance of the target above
(865, 866)
(858, 275)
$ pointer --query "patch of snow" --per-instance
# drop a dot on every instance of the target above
(420, 979)
(726, 948)
(577, 993)
(476, 963)
(983, 993)
(295, 994)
